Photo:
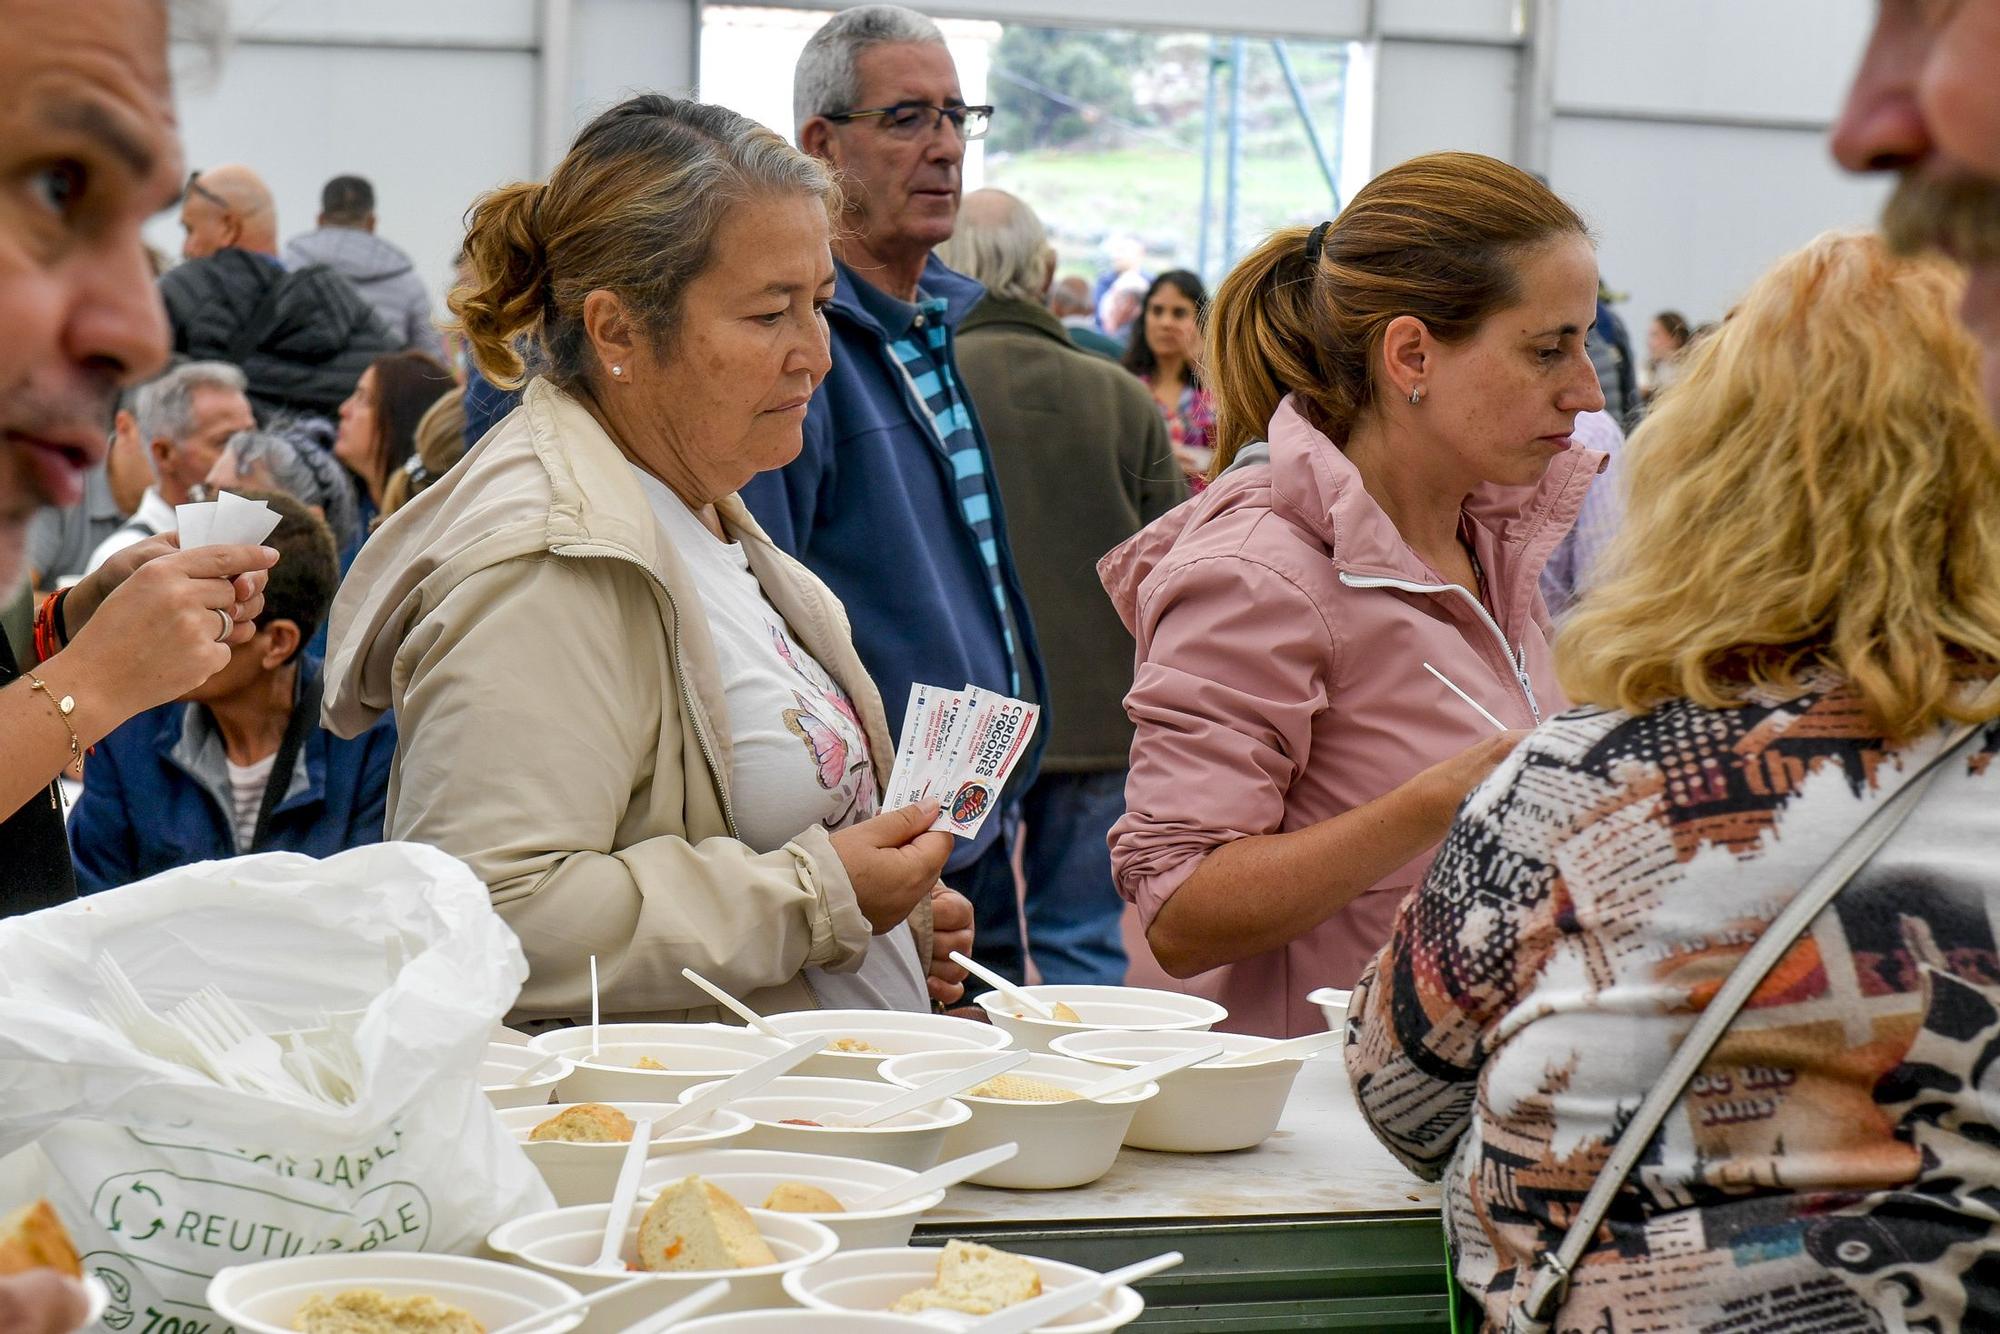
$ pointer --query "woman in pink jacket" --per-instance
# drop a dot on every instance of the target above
(1396, 391)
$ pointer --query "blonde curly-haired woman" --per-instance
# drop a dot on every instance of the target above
(1805, 601)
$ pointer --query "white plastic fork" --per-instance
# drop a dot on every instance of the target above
(254, 1054)
(125, 1009)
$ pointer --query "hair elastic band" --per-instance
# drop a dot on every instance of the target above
(1316, 242)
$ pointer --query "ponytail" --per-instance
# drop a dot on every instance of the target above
(507, 290)
(1260, 342)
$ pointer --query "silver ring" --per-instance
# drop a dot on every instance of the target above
(228, 623)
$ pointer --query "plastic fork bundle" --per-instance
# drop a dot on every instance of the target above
(213, 1036)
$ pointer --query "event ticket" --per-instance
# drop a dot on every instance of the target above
(957, 748)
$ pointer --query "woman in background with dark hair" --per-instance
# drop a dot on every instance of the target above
(378, 422)
(1667, 337)
(1164, 352)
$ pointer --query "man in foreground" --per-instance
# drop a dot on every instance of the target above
(1926, 105)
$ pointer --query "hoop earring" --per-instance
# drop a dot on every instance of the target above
(1416, 395)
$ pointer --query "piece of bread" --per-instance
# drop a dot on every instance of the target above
(855, 1045)
(586, 1123)
(647, 1063)
(796, 1197)
(1022, 1088)
(698, 1226)
(366, 1311)
(32, 1237)
(977, 1280)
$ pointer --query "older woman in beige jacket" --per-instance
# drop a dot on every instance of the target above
(585, 636)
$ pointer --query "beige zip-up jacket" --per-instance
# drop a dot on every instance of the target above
(561, 725)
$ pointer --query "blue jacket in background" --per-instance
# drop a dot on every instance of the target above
(485, 404)
(871, 507)
(156, 796)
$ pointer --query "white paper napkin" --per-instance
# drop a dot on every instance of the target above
(230, 520)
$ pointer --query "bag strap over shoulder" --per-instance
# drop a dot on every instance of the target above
(1550, 1282)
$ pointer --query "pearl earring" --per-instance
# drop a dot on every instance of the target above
(620, 370)
(1416, 395)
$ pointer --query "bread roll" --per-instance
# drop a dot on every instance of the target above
(32, 1237)
(977, 1280)
(586, 1123)
(698, 1226)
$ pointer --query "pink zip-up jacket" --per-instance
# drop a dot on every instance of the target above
(1283, 626)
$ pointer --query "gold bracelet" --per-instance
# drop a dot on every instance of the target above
(64, 708)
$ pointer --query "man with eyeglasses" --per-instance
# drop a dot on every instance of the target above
(893, 500)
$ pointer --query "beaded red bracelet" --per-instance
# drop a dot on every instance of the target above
(48, 626)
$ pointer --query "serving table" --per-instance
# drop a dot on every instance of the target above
(1316, 1228)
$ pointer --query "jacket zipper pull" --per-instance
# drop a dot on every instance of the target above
(1527, 686)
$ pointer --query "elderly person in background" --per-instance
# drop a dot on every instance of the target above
(894, 476)
(183, 418)
(275, 461)
(639, 721)
(228, 208)
(1084, 463)
(1756, 694)
(302, 336)
(1069, 301)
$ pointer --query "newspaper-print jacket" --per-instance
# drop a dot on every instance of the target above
(1832, 1167)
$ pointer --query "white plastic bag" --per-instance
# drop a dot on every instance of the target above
(164, 1177)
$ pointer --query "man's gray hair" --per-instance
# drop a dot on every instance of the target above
(165, 407)
(1000, 242)
(825, 82)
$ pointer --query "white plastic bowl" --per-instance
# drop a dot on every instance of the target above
(1129, 1009)
(588, 1173)
(805, 1322)
(562, 1243)
(896, 1032)
(1062, 1143)
(693, 1054)
(1206, 1108)
(1332, 1002)
(913, 1140)
(751, 1174)
(263, 1298)
(504, 1061)
(873, 1280)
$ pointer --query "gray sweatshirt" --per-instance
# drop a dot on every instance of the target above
(384, 274)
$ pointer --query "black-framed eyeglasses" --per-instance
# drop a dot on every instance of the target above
(914, 120)
(195, 187)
